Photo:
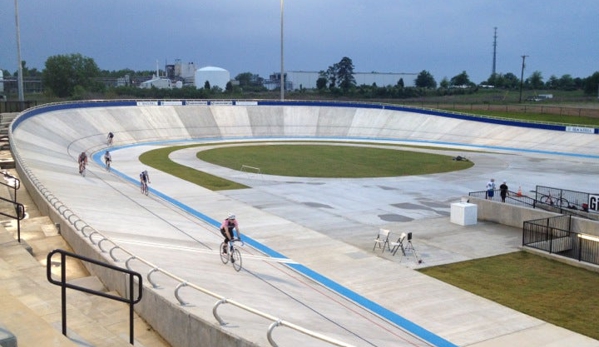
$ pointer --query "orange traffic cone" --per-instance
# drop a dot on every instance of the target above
(519, 191)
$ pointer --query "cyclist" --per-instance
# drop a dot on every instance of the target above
(109, 138)
(82, 161)
(144, 179)
(227, 229)
(107, 159)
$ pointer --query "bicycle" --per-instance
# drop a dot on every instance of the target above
(554, 201)
(82, 168)
(144, 188)
(232, 254)
(547, 199)
(108, 161)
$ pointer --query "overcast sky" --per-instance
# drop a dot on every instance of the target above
(444, 37)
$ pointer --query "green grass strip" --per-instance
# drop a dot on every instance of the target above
(159, 160)
(547, 289)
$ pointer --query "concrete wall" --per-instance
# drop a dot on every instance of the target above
(515, 216)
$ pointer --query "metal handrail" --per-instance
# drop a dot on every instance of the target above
(69, 215)
(19, 208)
(64, 285)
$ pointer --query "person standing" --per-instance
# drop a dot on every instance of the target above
(503, 190)
(490, 189)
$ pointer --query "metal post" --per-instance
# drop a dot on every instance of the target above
(63, 292)
(131, 311)
(20, 65)
(522, 76)
(282, 60)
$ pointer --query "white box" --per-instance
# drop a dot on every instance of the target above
(464, 213)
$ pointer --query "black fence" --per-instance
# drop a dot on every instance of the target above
(562, 201)
(553, 235)
(563, 198)
(16, 106)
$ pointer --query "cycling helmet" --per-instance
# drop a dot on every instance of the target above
(231, 216)
(107, 152)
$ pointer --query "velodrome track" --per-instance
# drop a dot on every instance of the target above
(320, 227)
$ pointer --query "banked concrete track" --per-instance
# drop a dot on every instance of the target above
(295, 268)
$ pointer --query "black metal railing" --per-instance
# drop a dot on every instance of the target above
(563, 198)
(539, 201)
(553, 235)
(132, 300)
(13, 184)
(16, 106)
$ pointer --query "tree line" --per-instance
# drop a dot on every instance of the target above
(75, 76)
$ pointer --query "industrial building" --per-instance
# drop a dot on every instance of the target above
(295, 80)
(215, 76)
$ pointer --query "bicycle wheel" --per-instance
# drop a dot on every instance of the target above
(236, 259)
(546, 200)
(224, 257)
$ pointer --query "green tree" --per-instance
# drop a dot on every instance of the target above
(552, 82)
(566, 82)
(425, 80)
(250, 82)
(510, 81)
(345, 74)
(245, 79)
(207, 85)
(63, 73)
(27, 72)
(460, 80)
(400, 84)
(332, 76)
(536, 80)
(444, 83)
(591, 84)
(321, 82)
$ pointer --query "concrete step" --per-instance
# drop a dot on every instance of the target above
(24, 327)
(30, 306)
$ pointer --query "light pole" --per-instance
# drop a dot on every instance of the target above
(20, 66)
(522, 76)
(282, 60)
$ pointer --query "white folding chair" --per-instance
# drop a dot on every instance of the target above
(382, 240)
(397, 245)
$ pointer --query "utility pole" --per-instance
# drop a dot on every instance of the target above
(522, 76)
(494, 52)
(282, 59)
(20, 66)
